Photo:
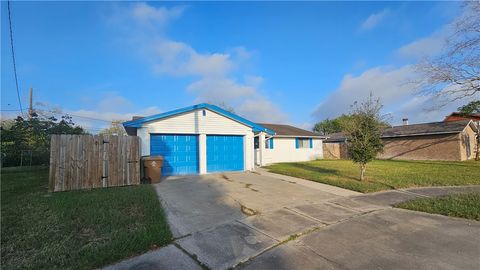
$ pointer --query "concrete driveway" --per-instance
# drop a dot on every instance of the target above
(253, 221)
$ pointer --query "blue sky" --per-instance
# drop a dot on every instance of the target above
(272, 62)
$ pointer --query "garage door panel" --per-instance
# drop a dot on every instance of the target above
(225, 153)
(180, 152)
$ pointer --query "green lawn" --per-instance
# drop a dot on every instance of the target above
(384, 174)
(458, 205)
(77, 229)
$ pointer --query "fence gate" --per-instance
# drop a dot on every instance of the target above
(86, 161)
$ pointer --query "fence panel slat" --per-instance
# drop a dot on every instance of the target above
(53, 163)
(86, 161)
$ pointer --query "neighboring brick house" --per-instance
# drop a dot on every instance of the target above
(429, 141)
(335, 146)
(456, 116)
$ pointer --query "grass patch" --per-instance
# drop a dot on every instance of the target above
(384, 174)
(76, 229)
(457, 205)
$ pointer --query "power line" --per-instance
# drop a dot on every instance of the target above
(91, 118)
(15, 110)
(80, 116)
(66, 113)
(13, 56)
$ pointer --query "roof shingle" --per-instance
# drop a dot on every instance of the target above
(286, 130)
(412, 130)
(426, 128)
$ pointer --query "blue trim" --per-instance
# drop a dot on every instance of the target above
(297, 144)
(271, 143)
(256, 128)
(311, 143)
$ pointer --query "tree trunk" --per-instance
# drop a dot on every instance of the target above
(363, 167)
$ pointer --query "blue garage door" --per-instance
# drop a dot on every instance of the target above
(224, 153)
(180, 152)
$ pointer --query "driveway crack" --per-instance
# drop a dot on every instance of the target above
(192, 256)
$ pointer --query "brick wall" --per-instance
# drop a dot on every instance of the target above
(335, 150)
(429, 147)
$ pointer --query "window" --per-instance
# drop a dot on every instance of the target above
(269, 143)
(256, 143)
(304, 143)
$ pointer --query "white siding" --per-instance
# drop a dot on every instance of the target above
(196, 123)
(144, 141)
(284, 150)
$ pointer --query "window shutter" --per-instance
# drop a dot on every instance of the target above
(296, 143)
(271, 143)
(311, 143)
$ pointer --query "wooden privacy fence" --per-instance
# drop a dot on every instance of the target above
(87, 161)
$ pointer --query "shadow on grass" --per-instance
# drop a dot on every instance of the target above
(467, 163)
(315, 169)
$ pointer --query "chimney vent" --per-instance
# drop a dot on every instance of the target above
(405, 121)
(136, 117)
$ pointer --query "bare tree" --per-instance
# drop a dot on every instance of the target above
(454, 74)
(116, 128)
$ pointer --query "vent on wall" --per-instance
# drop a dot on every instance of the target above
(204, 112)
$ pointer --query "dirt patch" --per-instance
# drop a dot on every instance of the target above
(249, 187)
(226, 178)
(248, 211)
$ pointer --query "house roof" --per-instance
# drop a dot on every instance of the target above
(336, 137)
(289, 131)
(455, 116)
(426, 129)
(433, 128)
(139, 122)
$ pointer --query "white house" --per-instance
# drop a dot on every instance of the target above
(205, 138)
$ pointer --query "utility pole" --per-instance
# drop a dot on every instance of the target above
(30, 108)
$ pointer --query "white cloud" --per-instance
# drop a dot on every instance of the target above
(260, 109)
(426, 46)
(179, 59)
(91, 119)
(397, 94)
(111, 101)
(213, 71)
(145, 13)
(100, 111)
(219, 90)
(374, 20)
(389, 84)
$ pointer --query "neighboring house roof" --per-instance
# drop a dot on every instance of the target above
(139, 122)
(456, 116)
(336, 137)
(426, 129)
(290, 131)
(434, 128)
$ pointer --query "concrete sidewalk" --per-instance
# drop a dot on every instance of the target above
(267, 221)
(311, 184)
